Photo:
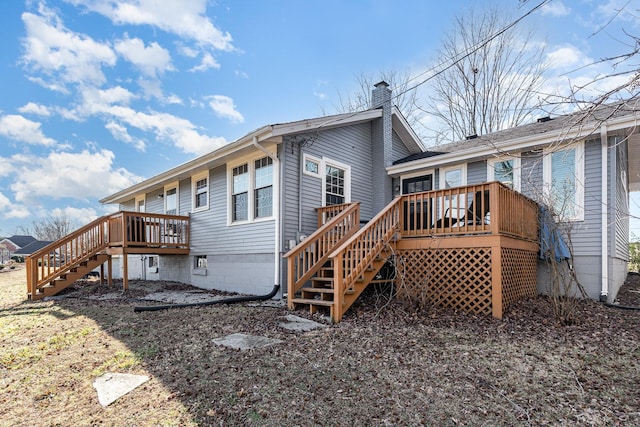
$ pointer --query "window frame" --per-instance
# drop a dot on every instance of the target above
(347, 179)
(308, 157)
(579, 175)
(168, 188)
(250, 161)
(142, 199)
(517, 169)
(443, 172)
(194, 191)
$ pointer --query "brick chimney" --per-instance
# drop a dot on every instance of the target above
(382, 134)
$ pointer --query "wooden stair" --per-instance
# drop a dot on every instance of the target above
(68, 278)
(320, 294)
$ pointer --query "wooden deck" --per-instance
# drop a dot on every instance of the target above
(471, 248)
(60, 264)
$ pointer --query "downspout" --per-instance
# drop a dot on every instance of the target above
(604, 255)
(276, 209)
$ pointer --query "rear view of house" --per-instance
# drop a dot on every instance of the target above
(314, 208)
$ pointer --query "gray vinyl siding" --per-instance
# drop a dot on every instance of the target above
(587, 235)
(153, 202)
(129, 205)
(398, 149)
(210, 234)
(476, 173)
(349, 145)
(531, 175)
(620, 185)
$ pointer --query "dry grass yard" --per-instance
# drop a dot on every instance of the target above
(383, 365)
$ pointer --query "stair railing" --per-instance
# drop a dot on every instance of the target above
(355, 255)
(61, 256)
(306, 258)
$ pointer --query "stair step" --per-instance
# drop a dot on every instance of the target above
(324, 290)
(312, 302)
(322, 279)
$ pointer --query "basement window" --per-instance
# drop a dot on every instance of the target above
(200, 262)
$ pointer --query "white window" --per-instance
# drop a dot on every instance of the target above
(140, 204)
(200, 261)
(451, 177)
(153, 261)
(251, 185)
(311, 165)
(506, 170)
(336, 183)
(240, 193)
(563, 173)
(263, 192)
(171, 199)
(455, 176)
(200, 192)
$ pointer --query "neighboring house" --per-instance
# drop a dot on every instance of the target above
(14, 243)
(252, 200)
(584, 165)
(32, 247)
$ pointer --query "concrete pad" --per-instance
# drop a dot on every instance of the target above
(182, 297)
(245, 342)
(112, 386)
(300, 324)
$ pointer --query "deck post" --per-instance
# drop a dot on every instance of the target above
(101, 274)
(338, 284)
(291, 282)
(110, 268)
(496, 281)
(125, 271)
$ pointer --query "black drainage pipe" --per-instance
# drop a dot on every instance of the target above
(232, 300)
(621, 307)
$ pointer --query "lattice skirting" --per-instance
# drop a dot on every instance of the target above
(461, 278)
(518, 275)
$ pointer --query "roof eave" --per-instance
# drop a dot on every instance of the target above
(515, 145)
(170, 175)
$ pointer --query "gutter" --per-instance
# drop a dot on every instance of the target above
(276, 209)
(604, 262)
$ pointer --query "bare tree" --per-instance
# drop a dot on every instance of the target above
(51, 228)
(405, 98)
(493, 82)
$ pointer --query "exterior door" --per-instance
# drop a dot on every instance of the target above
(418, 215)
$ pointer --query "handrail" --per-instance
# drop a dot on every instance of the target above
(488, 208)
(121, 229)
(352, 257)
(61, 256)
(325, 213)
(306, 258)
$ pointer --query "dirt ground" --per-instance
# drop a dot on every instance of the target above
(385, 364)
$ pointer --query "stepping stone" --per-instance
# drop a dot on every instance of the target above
(300, 324)
(112, 386)
(245, 342)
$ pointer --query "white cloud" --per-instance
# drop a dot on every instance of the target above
(172, 99)
(20, 129)
(208, 61)
(185, 18)
(187, 50)
(566, 58)
(37, 109)
(224, 107)
(555, 8)
(53, 86)
(151, 60)
(120, 133)
(60, 175)
(64, 55)
(78, 216)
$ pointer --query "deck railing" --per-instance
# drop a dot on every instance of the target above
(326, 213)
(312, 253)
(122, 229)
(353, 257)
(490, 208)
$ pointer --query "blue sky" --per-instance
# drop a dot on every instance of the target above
(99, 94)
